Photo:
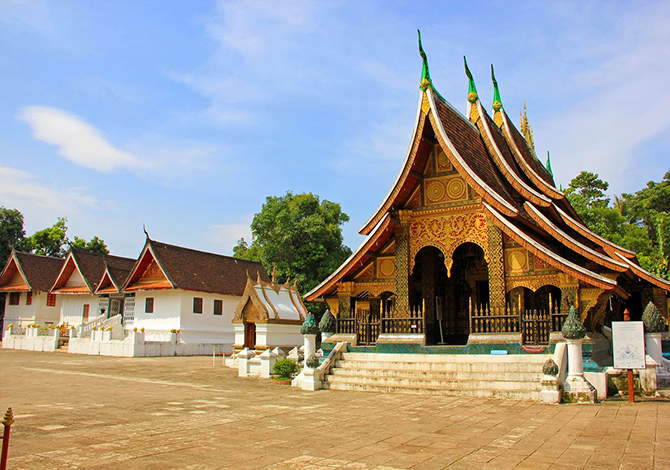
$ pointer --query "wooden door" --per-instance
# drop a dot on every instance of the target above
(249, 335)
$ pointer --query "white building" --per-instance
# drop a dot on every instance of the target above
(187, 290)
(26, 279)
(78, 281)
(269, 315)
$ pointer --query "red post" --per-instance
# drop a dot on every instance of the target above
(631, 383)
(7, 422)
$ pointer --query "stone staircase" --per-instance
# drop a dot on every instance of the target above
(476, 375)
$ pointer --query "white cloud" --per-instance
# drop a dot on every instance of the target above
(225, 237)
(40, 201)
(626, 105)
(77, 141)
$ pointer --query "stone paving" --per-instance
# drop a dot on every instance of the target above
(76, 412)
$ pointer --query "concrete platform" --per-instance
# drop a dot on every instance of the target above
(81, 412)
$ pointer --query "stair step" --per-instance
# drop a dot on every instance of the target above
(437, 383)
(449, 358)
(480, 367)
(480, 393)
(439, 374)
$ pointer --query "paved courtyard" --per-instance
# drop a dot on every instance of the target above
(77, 412)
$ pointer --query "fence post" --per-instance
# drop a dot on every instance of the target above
(7, 423)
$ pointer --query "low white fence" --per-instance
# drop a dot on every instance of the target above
(31, 338)
(135, 344)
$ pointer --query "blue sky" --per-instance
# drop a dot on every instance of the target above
(185, 115)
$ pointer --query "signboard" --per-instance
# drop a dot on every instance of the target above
(628, 344)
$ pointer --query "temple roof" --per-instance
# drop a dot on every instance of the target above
(184, 268)
(272, 302)
(115, 276)
(517, 192)
(90, 267)
(37, 272)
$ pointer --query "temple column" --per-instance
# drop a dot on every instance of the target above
(402, 263)
(496, 269)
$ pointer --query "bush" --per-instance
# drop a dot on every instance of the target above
(285, 368)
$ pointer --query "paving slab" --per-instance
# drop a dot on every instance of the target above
(91, 412)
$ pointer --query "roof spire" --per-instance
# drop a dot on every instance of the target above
(497, 102)
(472, 89)
(274, 273)
(548, 165)
(144, 228)
(425, 73)
(526, 130)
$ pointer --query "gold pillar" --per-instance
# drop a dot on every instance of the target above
(344, 290)
(402, 263)
(496, 269)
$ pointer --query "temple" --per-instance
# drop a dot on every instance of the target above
(474, 241)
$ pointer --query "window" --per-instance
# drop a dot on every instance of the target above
(218, 307)
(149, 305)
(197, 305)
(51, 300)
(14, 298)
(29, 298)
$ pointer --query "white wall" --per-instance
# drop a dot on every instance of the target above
(72, 308)
(206, 327)
(38, 312)
(173, 309)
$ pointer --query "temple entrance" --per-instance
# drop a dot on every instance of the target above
(539, 312)
(249, 335)
(445, 299)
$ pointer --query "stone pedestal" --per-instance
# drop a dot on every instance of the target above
(648, 378)
(310, 345)
(243, 362)
(268, 359)
(310, 379)
(550, 392)
(576, 389)
(72, 333)
(652, 342)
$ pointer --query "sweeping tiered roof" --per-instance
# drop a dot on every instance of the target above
(25, 272)
(83, 271)
(517, 193)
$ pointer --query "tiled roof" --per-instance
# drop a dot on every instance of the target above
(40, 271)
(204, 272)
(92, 265)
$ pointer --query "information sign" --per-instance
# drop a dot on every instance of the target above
(628, 344)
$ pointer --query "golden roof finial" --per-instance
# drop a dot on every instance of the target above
(526, 129)
(274, 273)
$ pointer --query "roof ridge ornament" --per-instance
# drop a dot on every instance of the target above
(472, 89)
(426, 82)
(497, 103)
(548, 165)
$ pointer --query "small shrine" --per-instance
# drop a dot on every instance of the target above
(269, 315)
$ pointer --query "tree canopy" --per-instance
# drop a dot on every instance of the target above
(301, 236)
(51, 241)
(639, 221)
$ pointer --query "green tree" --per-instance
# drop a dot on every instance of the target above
(95, 245)
(50, 241)
(301, 236)
(639, 222)
(11, 233)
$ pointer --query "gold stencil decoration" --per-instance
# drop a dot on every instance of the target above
(367, 272)
(153, 273)
(443, 163)
(517, 260)
(385, 267)
(435, 191)
(540, 265)
(415, 199)
(447, 233)
(457, 189)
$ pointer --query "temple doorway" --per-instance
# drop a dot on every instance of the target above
(249, 335)
(445, 298)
